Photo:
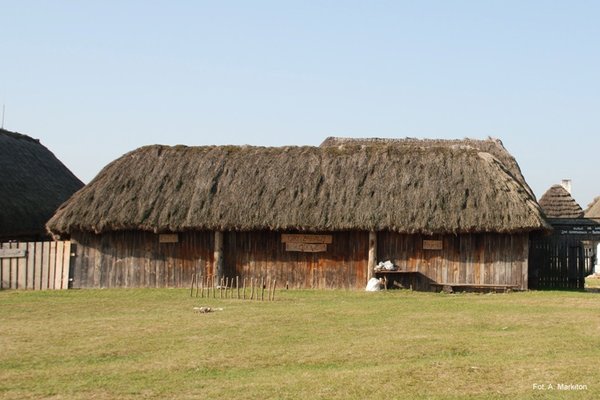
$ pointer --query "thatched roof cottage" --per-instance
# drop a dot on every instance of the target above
(593, 210)
(557, 202)
(306, 216)
(33, 183)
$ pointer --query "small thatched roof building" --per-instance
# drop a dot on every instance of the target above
(557, 202)
(33, 183)
(449, 191)
(593, 210)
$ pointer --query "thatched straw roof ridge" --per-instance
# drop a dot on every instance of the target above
(557, 202)
(417, 189)
(490, 145)
(593, 210)
(33, 183)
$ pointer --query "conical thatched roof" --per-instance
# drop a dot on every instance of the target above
(432, 189)
(557, 202)
(593, 210)
(33, 183)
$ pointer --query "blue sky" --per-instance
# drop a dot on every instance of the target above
(95, 79)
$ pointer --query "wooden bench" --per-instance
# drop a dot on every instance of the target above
(453, 287)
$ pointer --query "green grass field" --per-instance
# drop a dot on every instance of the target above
(150, 344)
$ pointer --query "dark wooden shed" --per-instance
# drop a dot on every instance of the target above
(310, 217)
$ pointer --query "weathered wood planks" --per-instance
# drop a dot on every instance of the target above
(477, 259)
(138, 259)
(36, 266)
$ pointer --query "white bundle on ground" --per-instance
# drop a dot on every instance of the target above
(373, 285)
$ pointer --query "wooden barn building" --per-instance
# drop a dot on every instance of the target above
(33, 184)
(455, 211)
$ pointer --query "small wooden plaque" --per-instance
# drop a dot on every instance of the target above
(432, 245)
(168, 238)
(306, 247)
(302, 238)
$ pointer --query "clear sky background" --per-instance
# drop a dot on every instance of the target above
(96, 79)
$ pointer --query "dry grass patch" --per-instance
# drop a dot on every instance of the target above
(150, 344)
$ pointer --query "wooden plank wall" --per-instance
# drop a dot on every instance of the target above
(137, 259)
(45, 266)
(488, 258)
(262, 254)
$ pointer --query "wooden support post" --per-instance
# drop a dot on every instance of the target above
(244, 290)
(262, 289)
(192, 288)
(274, 285)
(251, 288)
(199, 279)
(269, 290)
(525, 264)
(237, 286)
(218, 255)
(372, 254)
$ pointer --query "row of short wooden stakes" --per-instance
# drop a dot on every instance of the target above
(229, 288)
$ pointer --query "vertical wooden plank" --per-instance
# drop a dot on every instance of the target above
(45, 263)
(13, 268)
(38, 268)
(30, 265)
(58, 270)
(218, 255)
(22, 267)
(96, 261)
(66, 265)
(456, 259)
(448, 250)
(372, 260)
(470, 247)
(81, 262)
(5, 269)
(524, 269)
(51, 264)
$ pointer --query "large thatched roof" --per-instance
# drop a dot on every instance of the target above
(593, 210)
(427, 189)
(557, 202)
(33, 183)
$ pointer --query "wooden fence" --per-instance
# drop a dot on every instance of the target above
(35, 265)
(557, 264)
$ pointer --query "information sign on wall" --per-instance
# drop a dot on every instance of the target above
(168, 238)
(306, 243)
(432, 245)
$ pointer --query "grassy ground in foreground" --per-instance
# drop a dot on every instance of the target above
(106, 344)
